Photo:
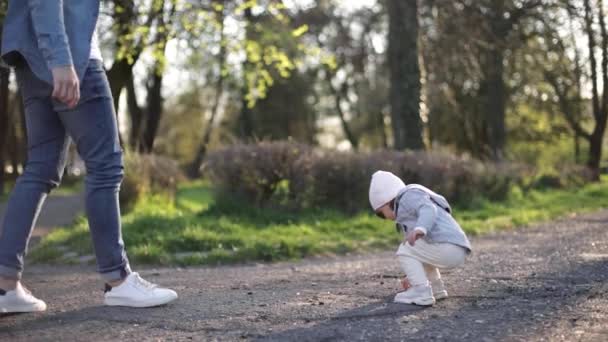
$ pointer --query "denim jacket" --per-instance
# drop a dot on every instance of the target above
(49, 33)
(418, 206)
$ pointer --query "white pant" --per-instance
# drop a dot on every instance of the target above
(421, 261)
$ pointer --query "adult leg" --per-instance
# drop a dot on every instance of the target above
(92, 125)
(47, 153)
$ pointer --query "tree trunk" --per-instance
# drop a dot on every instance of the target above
(4, 122)
(495, 103)
(599, 100)
(121, 70)
(246, 121)
(136, 114)
(354, 142)
(577, 148)
(125, 25)
(382, 128)
(17, 136)
(246, 118)
(194, 167)
(595, 153)
(405, 74)
(154, 112)
(201, 152)
(338, 96)
(118, 77)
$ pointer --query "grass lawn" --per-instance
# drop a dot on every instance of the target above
(67, 188)
(194, 230)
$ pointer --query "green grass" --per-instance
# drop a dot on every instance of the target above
(70, 187)
(194, 230)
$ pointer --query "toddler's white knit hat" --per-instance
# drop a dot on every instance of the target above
(384, 188)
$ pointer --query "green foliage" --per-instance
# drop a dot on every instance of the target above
(272, 47)
(566, 176)
(525, 208)
(148, 174)
(324, 178)
(162, 231)
(3, 9)
(286, 112)
(197, 230)
(180, 134)
(254, 172)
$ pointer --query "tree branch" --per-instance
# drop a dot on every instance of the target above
(518, 14)
(565, 106)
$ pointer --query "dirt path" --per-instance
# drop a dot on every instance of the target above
(548, 282)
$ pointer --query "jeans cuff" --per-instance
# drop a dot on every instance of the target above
(117, 275)
(10, 273)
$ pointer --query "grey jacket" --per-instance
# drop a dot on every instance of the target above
(418, 206)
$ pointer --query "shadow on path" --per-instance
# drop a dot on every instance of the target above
(511, 309)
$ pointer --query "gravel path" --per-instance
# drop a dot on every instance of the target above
(548, 282)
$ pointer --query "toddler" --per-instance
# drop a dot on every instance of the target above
(432, 238)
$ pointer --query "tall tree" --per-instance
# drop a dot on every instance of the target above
(4, 96)
(246, 123)
(272, 49)
(467, 50)
(404, 74)
(4, 122)
(599, 98)
(131, 39)
(201, 151)
(565, 77)
(154, 109)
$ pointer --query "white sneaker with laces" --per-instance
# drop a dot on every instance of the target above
(439, 291)
(138, 293)
(20, 300)
(419, 295)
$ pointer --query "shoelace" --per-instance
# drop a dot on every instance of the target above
(144, 283)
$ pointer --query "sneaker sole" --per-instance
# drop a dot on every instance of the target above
(441, 295)
(139, 304)
(23, 308)
(420, 302)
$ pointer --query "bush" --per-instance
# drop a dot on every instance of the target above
(255, 172)
(567, 176)
(284, 173)
(147, 174)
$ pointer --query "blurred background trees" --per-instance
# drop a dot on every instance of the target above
(499, 80)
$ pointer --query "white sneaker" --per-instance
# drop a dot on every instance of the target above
(138, 293)
(20, 300)
(419, 295)
(439, 291)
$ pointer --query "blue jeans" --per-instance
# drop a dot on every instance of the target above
(51, 127)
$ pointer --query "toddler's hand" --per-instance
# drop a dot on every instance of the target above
(405, 284)
(414, 235)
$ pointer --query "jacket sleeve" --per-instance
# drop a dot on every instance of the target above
(427, 214)
(425, 209)
(47, 18)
